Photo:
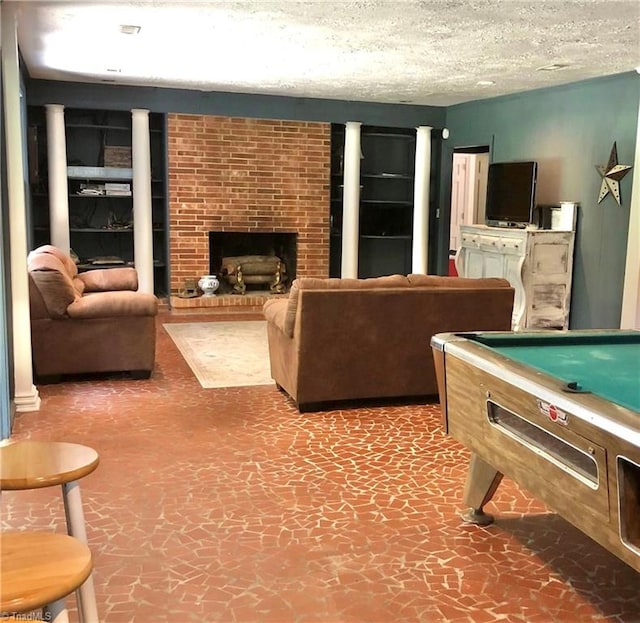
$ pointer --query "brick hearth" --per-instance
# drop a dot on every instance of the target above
(254, 175)
(252, 301)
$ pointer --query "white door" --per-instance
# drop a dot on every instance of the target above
(480, 164)
(459, 197)
(468, 193)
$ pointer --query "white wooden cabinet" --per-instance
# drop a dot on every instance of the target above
(538, 264)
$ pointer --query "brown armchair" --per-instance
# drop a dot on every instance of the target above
(88, 322)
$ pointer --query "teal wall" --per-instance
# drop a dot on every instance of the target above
(80, 95)
(567, 130)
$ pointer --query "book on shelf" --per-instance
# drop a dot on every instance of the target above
(105, 260)
(117, 189)
(117, 186)
(91, 189)
(117, 156)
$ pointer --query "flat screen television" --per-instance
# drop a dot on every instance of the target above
(511, 191)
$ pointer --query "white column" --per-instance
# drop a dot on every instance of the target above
(351, 200)
(630, 316)
(142, 208)
(420, 247)
(58, 188)
(26, 396)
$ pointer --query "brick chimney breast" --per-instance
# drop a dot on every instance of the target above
(254, 175)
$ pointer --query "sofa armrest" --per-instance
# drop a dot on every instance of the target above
(110, 304)
(275, 312)
(56, 291)
(109, 279)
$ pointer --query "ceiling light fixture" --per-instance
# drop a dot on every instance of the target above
(485, 83)
(553, 67)
(127, 29)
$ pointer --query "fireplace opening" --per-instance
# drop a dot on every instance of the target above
(254, 245)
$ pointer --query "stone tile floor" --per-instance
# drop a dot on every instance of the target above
(228, 506)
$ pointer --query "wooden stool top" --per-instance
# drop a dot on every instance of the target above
(36, 464)
(38, 568)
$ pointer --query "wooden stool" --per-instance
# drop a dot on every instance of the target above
(37, 464)
(38, 570)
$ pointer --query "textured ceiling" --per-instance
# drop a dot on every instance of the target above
(431, 52)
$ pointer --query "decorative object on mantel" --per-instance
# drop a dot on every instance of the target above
(239, 287)
(209, 284)
(611, 175)
(190, 289)
(277, 286)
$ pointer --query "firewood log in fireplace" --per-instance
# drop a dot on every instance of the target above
(260, 270)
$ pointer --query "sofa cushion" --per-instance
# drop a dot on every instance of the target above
(108, 279)
(284, 316)
(436, 281)
(48, 249)
(110, 304)
(79, 286)
(333, 283)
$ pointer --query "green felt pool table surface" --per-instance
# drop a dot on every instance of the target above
(604, 363)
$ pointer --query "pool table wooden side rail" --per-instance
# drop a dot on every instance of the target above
(593, 503)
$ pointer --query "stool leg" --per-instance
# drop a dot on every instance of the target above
(56, 612)
(86, 595)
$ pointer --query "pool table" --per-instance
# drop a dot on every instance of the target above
(558, 412)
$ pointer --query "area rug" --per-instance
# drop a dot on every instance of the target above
(224, 354)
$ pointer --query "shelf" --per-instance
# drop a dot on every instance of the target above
(90, 234)
(103, 230)
(408, 137)
(383, 176)
(83, 266)
(97, 126)
(387, 176)
(379, 237)
(380, 202)
(81, 196)
(383, 202)
(102, 173)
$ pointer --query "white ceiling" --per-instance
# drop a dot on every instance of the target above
(429, 52)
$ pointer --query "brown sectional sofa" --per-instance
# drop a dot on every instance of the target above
(343, 339)
(88, 322)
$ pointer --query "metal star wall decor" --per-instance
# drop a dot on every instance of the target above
(611, 175)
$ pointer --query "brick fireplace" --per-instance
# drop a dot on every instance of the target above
(225, 244)
(229, 174)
